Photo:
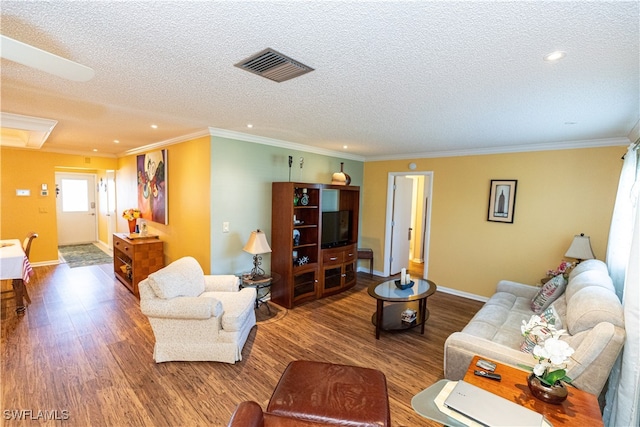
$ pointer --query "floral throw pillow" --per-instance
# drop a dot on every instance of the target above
(551, 316)
(548, 293)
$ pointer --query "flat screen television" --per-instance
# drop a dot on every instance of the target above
(336, 228)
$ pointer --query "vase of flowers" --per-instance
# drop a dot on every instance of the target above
(563, 270)
(549, 374)
(131, 215)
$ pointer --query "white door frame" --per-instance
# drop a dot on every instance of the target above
(93, 195)
(428, 190)
(111, 207)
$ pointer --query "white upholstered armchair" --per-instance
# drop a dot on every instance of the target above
(197, 317)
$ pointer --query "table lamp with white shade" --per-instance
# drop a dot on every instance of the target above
(580, 248)
(257, 245)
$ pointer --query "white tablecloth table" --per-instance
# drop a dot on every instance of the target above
(14, 265)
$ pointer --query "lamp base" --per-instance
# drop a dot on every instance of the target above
(257, 272)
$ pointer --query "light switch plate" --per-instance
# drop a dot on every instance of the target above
(20, 192)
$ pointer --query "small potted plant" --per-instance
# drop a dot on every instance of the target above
(552, 354)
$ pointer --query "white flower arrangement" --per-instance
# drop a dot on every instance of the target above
(551, 353)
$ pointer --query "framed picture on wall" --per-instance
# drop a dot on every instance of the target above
(152, 186)
(502, 200)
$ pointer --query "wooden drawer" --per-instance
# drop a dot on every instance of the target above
(334, 256)
(350, 254)
(122, 245)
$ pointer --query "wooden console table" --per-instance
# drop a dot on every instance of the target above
(135, 258)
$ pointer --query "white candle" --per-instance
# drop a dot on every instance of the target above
(407, 278)
(403, 276)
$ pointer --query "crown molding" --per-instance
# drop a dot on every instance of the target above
(548, 146)
(229, 134)
(79, 153)
(165, 143)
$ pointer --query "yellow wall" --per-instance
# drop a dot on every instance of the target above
(29, 169)
(188, 195)
(559, 194)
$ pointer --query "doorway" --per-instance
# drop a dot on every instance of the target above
(76, 208)
(408, 222)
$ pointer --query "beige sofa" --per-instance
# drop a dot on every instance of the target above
(588, 309)
(197, 317)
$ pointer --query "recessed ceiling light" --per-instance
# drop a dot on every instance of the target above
(555, 56)
(249, 125)
(117, 141)
(345, 147)
(154, 126)
(95, 149)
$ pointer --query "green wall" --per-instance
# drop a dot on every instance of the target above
(241, 177)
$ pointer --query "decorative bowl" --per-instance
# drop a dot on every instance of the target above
(405, 286)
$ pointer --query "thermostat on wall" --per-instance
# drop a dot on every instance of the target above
(23, 192)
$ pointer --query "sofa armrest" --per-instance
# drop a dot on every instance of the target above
(247, 414)
(221, 283)
(182, 308)
(460, 348)
(596, 351)
(517, 289)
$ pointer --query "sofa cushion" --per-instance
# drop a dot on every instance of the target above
(548, 293)
(586, 279)
(181, 278)
(587, 265)
(237, 307)
(500, 318)
(593, 305)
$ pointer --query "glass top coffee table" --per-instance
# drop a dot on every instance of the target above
(389, 318)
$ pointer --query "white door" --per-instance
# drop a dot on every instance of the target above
(401, 224)
(111, 207)
(76, 208)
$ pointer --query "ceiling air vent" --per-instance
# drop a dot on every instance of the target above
(273, 65)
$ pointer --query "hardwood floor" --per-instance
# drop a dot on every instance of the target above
(82, 355)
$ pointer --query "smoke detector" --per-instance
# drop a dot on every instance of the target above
(273, 65)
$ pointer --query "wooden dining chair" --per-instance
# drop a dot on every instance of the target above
(26, 246)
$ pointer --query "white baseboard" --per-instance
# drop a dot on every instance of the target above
(440, 288)
(462, 294)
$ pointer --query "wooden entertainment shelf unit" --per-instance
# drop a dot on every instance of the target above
(307, 270)
(135, 259)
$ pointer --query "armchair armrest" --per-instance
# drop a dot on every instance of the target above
(182, 308)
(221, 283)
(247, 414)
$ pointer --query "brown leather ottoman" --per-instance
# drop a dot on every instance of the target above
(332, 394)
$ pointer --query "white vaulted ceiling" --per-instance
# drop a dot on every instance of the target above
(390, 79)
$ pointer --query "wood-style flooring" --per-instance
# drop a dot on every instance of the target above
(82, 355)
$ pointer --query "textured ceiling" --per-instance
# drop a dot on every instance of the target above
(391, 79)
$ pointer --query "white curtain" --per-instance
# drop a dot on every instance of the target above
(623, 260)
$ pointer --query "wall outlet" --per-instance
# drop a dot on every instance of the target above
(225, 227)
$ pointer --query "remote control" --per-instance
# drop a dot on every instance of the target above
(491, 376)
(486, 365)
